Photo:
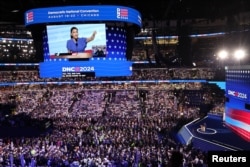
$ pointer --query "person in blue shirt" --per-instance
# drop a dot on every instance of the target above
(77, 44)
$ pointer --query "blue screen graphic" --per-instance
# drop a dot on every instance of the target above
(237, 114)
(82, 13)
(103, 67)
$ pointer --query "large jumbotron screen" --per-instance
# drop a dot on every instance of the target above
(105, 56)
(58, 35)
(237, 114)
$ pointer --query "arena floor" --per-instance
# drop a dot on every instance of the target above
(218, 133)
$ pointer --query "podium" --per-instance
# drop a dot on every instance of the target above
(203, 128)
(83, 55)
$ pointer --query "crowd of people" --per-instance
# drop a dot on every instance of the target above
(102, 125)
(98, 125)
(137, 74)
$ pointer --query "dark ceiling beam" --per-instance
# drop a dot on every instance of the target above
(169, 7)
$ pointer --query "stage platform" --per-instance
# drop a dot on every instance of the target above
(215, 136)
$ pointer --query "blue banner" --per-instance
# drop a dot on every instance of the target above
(83, 13)
(102, 67)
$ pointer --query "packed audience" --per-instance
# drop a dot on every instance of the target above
(106, 125)
(102, 125)
(137, 74)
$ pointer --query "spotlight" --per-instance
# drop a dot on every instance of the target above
(239, 54)
(223, 54)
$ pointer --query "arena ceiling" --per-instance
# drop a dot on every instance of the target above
(13, 10)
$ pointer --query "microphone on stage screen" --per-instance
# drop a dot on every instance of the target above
(76, 41)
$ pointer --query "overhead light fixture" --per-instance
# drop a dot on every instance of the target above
(15, 11)
(223, 54)
(239, 54)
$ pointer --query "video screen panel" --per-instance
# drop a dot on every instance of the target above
(237, 117)
(237, 108)
(72, 39)
(103, 57)
(62, 14)
(109, 56)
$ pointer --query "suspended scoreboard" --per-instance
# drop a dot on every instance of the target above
(105, 56)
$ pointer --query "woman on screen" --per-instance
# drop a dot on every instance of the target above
(76, 44)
